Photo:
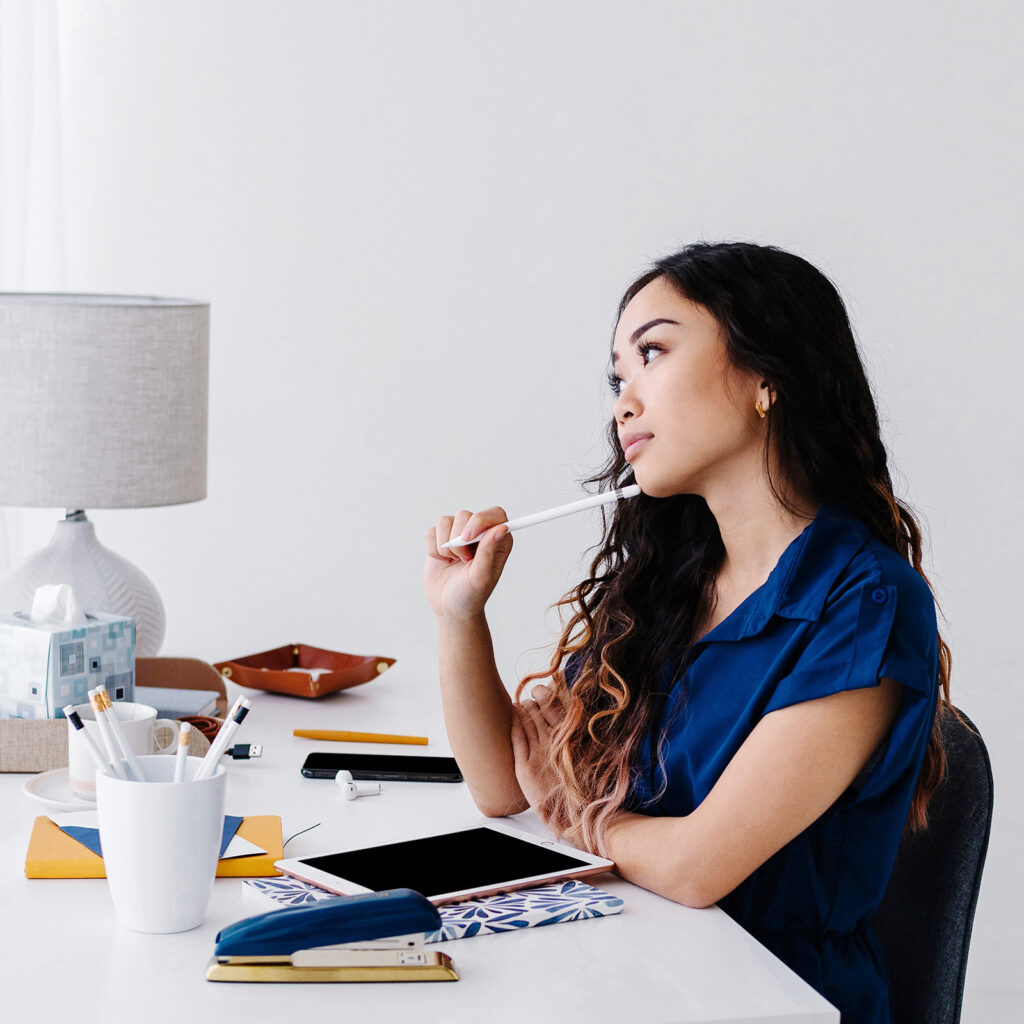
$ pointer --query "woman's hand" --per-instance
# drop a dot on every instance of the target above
(533, 726)
(458, 581)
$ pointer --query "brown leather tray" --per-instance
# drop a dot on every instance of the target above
(269, 670)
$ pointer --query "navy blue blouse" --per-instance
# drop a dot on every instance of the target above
(840, 611)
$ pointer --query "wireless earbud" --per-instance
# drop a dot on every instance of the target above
(349, 788)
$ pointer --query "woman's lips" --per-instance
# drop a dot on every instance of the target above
(635, 446)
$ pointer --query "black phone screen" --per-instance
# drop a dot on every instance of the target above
(393, 767)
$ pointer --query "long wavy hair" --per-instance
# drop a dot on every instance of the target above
(652, 579)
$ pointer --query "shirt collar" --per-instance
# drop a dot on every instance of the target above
(802, 578)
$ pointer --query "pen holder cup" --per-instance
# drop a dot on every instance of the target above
(161, 843)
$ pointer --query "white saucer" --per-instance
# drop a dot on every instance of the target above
(53, 789)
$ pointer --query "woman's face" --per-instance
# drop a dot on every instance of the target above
(693, 411)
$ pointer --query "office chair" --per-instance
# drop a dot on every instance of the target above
(925, 918)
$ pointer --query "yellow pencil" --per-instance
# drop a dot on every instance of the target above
(357, 737)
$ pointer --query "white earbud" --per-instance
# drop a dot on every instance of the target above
(350, 790)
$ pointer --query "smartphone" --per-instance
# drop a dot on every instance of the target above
(383, 767)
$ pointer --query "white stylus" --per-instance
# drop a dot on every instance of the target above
(75, 719)
(209, 763)
(555, 513)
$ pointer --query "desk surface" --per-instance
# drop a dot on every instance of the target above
(656, 961)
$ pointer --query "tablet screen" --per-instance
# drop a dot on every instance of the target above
(476, 858)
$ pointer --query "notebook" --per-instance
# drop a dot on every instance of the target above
(54, 854)
(171, 703)
(570, 900)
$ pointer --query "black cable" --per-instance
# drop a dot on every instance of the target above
(290, 838)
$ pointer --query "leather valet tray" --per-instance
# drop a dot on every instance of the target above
(270, 670)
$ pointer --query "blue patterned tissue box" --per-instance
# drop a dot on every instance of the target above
(44, 667)
(508, 912)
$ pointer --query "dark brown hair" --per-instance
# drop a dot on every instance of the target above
(652, 579)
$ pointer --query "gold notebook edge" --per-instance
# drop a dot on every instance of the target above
(441, 969)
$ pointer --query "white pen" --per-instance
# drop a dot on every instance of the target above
(76, 720)
(555, 513)
(220, 741)
(108, 739)
(181, 757)
(110, 717)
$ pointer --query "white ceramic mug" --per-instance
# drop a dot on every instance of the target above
(138, 725)
(161, 843)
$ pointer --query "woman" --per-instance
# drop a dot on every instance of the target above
(742, 708)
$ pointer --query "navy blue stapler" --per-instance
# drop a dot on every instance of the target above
(375, 937)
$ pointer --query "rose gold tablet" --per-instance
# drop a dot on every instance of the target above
(448, 867)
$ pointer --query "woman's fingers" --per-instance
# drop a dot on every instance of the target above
(550, 706)
(478, 522)
(529, 724)
(466, 524)
(442, 532)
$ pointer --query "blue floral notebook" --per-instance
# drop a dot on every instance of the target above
(527, 908)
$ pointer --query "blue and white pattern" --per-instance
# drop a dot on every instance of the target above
(508, 912)
(44, 667)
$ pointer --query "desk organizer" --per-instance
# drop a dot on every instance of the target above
(303, 671)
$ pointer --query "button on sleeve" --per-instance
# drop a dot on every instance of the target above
(845, 649)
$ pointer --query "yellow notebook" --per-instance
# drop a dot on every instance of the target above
(54, 854)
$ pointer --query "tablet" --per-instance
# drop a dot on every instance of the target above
(449, 867)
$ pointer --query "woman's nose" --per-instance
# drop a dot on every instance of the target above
(625, 405)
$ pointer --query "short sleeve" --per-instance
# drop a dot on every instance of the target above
(868, 630)
(572, 668)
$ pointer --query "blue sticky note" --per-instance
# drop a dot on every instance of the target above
(230, 828)
(90, 837)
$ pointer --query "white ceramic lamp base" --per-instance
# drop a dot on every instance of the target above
(102, 581)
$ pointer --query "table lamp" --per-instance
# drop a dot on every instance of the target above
(103, 404)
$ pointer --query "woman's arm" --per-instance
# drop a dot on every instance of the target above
(795, 764)
(478, 715)
(477, 709)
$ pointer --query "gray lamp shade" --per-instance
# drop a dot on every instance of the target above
(103, 400)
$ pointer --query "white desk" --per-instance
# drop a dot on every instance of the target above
(63, 950)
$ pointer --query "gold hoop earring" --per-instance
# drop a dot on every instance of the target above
(760, 411)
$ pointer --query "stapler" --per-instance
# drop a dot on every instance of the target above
(374, 937)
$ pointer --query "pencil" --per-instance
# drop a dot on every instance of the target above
(105, 734)
(357, 737)
(181, 757)
(110, 715)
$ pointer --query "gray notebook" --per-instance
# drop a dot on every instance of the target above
(171, 703)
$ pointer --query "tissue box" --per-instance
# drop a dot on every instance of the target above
(43, 667)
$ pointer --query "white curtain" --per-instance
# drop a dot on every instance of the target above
(33, 242)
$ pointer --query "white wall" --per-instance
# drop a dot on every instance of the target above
(414, 222)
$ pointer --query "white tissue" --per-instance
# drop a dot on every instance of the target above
(55, 604)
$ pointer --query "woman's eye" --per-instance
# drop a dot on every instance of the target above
(646, 349)
(615, 382)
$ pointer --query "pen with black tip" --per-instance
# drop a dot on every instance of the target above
(76, 720)
(221, 740)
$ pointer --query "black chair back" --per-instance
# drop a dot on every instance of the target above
(925, 919)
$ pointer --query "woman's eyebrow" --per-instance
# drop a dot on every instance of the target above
(635, 336)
